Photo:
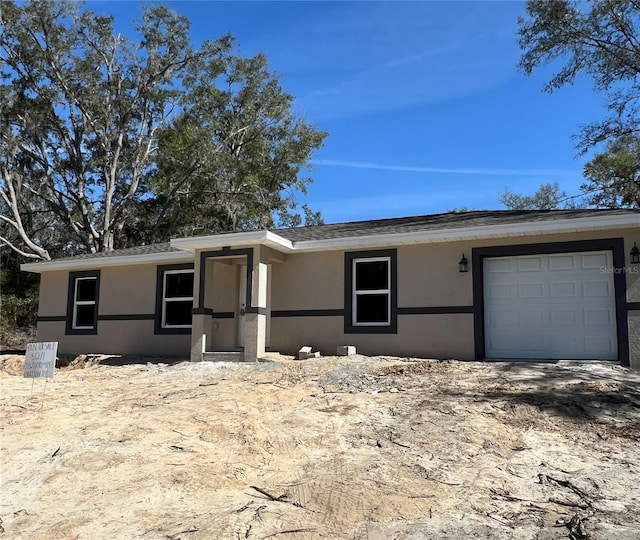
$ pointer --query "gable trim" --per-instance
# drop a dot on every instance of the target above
(102, 262)
(238, 239)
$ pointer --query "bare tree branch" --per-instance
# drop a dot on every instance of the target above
(6, 242)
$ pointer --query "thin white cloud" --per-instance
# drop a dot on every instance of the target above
(420, 56)
(444, 170)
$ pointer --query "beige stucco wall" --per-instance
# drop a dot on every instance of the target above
(308, 281)
(427, 274)
(116, 337)
(52, 301)
(124, 290)
(425, 336)
(427, 277)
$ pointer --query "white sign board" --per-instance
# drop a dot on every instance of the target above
(40, 360)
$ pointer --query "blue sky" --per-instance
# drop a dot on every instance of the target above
(425, 107)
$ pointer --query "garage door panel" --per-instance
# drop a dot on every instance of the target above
(501, 292)
(532, 345)
(550, 306)
(564, 346)
(564, 316)
(597, 317)
(596, 289)
(502, 317)
(530, 264)
(602, 345)
(593, 261)
(531, 290)
(529, 345)
(501, 343)
(499, 266)
(562, 262)
(531, 317)
(566, 289)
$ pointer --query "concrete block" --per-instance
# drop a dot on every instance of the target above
(346, 350)
(304, 353)
(315, 354)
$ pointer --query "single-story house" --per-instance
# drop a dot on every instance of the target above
(557, 284)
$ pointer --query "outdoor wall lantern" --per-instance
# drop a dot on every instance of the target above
(634, 254)
(463, 265)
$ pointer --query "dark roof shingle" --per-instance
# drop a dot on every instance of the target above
(430, 222)
(150, 249)
(434, 222)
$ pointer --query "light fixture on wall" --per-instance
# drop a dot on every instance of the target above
(634, 254)
(463, 265)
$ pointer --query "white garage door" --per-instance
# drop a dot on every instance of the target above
(550, 306)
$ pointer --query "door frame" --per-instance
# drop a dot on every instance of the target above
(242, 304)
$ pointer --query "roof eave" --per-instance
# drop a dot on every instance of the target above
(219, 241)
(188, 246)
(471, 233)
(124, 260)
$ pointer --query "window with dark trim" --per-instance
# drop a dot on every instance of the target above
(370, 292)
(174, 299)
(82, 302)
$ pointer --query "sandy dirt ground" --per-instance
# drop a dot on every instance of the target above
(356, 447)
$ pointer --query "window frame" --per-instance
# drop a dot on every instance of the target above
(355, 293)
(165, 299)
(161, 301)
(351, 325)
(72, 303)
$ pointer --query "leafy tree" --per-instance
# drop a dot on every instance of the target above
(233, 157)
(93, 124)
(18, 299)
(600, 39)
(81, 109)
(613, 177)
(547, 197)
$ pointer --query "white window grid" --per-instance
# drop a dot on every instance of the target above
(356, 293)
(165, 300)
(77, 303)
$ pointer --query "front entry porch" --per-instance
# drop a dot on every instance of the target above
(231, 315)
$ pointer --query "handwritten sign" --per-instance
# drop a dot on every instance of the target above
(40, 360)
